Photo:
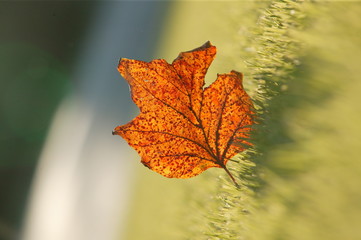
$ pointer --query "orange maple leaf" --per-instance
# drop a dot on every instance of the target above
(183, 129)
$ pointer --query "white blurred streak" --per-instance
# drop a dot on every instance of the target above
(84, 176)
(55, 193)
(78, 193)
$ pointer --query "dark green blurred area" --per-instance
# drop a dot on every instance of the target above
(39, 42)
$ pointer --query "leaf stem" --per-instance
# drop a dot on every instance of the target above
(230, 175)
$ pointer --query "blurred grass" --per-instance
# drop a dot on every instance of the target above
(301, 181)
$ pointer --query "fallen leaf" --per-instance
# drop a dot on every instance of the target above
(183, 128)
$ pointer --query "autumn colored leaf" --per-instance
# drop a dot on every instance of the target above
(183, 128)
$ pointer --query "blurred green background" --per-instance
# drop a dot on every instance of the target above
(37, 56)
(61, 95)
(301, 64)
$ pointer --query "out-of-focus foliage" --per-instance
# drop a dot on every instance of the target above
(37, 47)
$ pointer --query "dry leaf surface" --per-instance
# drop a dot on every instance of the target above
(183, 128)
